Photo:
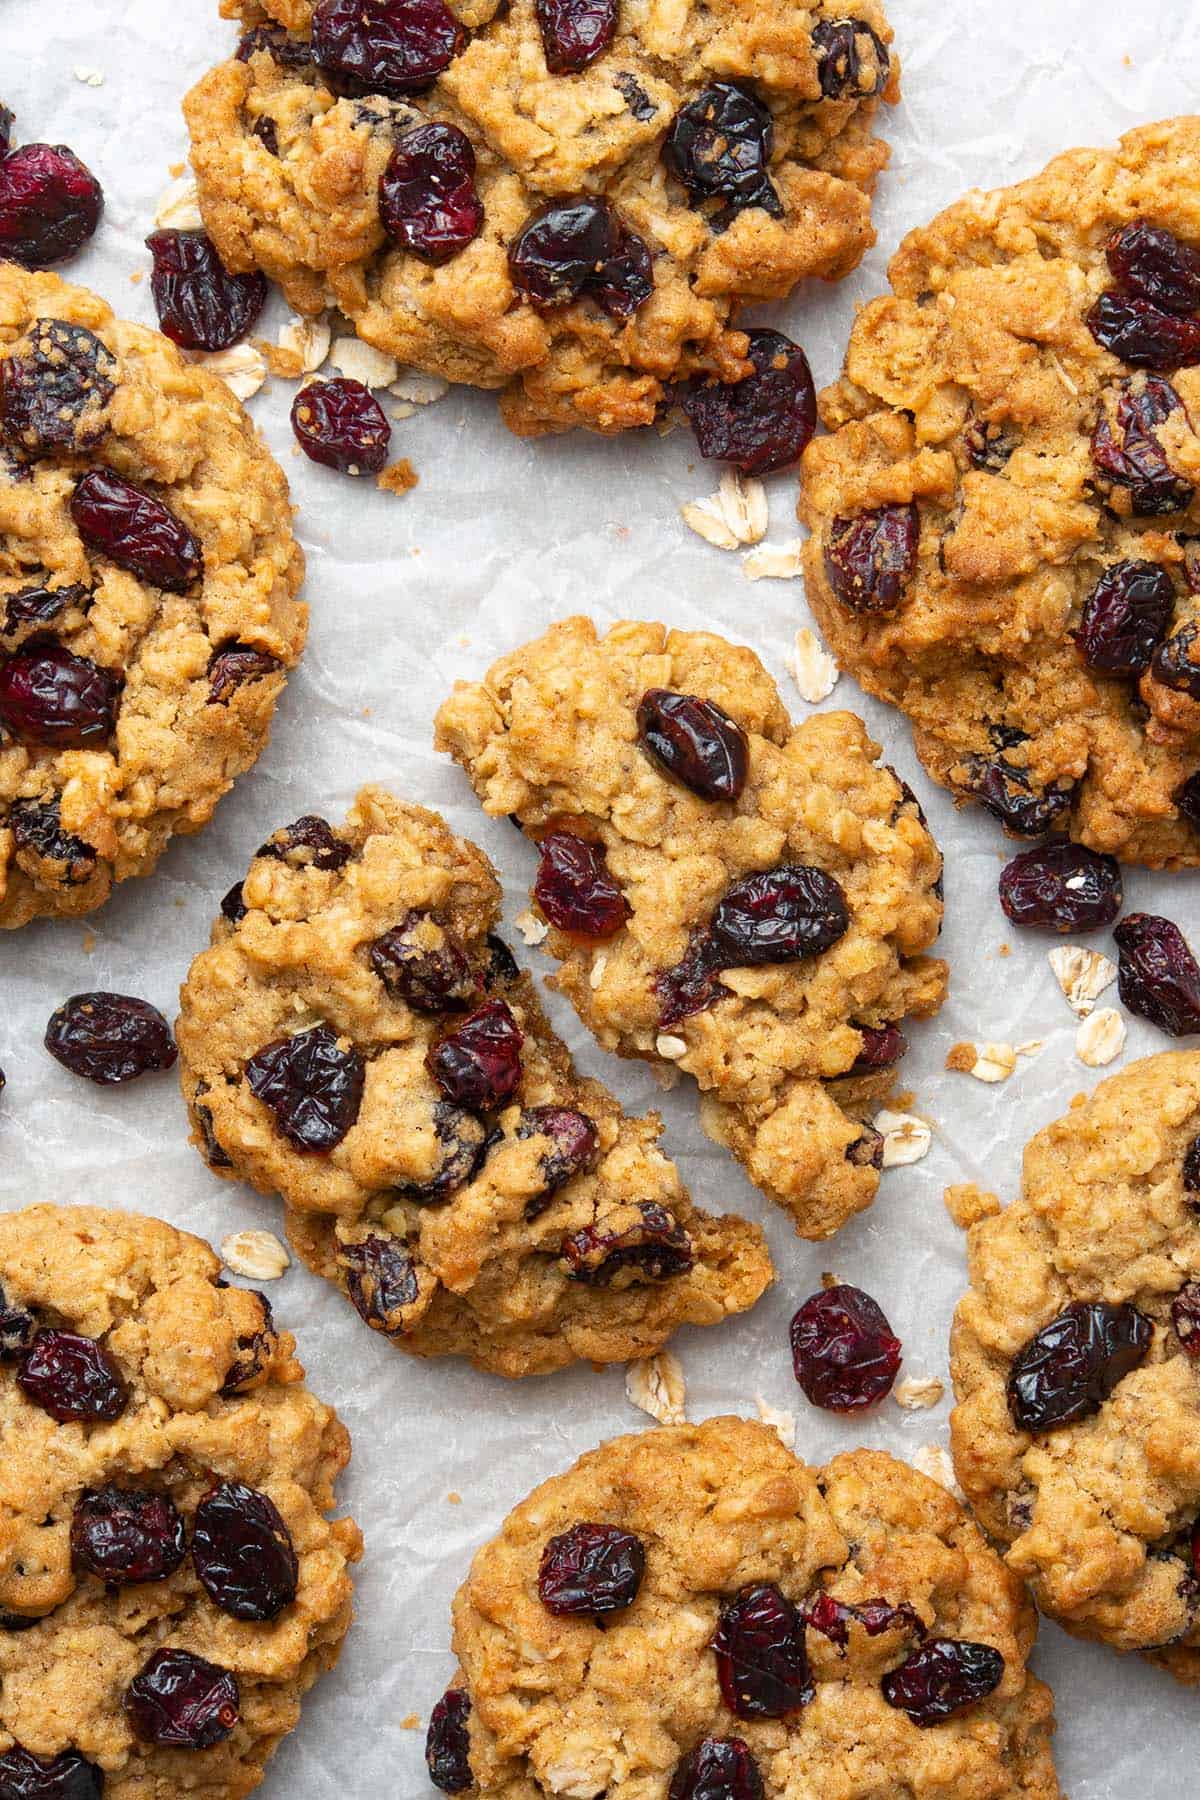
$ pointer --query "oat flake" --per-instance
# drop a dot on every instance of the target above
(656, 1385)
(1101, 1038)
(918, 1392)
(258, 1255)
(811, 667)
(906, 1139)
(1082, 975)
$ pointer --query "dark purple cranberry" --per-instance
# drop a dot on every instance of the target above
(380, 1280)
(122, 1536)
(866, 1152)
(1128, 454)
(870, 558)
(255, 1350)
(691, 986)
(340, 424)
(575, 32)
(233, 666)
(200, 305)
(1062, 887)
(136, 531)
(1007, 793)
(1151, 262)
(1068, 1369)
(1157, 976)
(49, 695)
(50, 204)
(762, 1664)
(1176, 663)
(882, 1047)
(717, 1769)
(72, 1378)
(720, 145)
(844, 1352)
(66, 1777)
(244, 1553)
(988, 445)
(463, 1142)
(110, 1038)
(288, 52)
(779, 915)
(1185, 1317)
(636, 98)
(852, 61)
(1128, 614)
(942, 1678)
(1142, 335)
(427, 196)
(574, 888)
(479, 1065)
(591, 1571)
(312, 1086)
(392, 47)
(54, 393)
(644, 1240)
(502, 968)
(17, 1330)
(573, 1143)
(1191, 1167)
(695, 741)
(37, 832)
(38, 606)
(181, 1702)
(233, 905)
(833, 1618)
(421, 962)
(266, 131)
(309, 842)
(448, 1743)
(763, 422)
(576, 248)
(7, 129)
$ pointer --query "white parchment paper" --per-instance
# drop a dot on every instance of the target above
(500, 539)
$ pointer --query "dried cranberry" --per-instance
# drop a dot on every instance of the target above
(421, 962)
(763, 422)
(1176, 663)
(313, 1087)
(695, 741)
(244, 1553)
(17, 1330)
(1191, 1167)
(988, 446)
(852, 61)
(844, 1352)
(1185, 1317)
(591, 1571)
(479, 1065)
(720, 145)
(37, 832)
(574, 888)
(943, 1677)
(309, 842)
(870, 558)
(233, 666)
(717, 1769)
(762, 1664)
(380, 1280)
(49, 695)
(427, 196)
(1151, 262)
(1062, 886)
(72, 1377)
(779, 915)
(448, 1743)
(1157, 976)
(392, 47)
(181, 1702)
(643, 1239)
(1009, 795)
(882, 1046)
(866, 1152)
(288, 52)
(136, 531)
(579, 247)
(1128, 614)
(692, 985)
(41, 606)
(50, 204)
(233, 904)
(122, 1536)
(256, 1350)
(573, 1141)
(502, 968)
(200, 305)
(1141, 335)
(1068, 1369)
(1128, 454)
(341, 425)
(575, 32)
(267, 133)
(463, 1143)
(70, 1776)
(7, 124)
(55, 392)
(833, 1618)
(635, 96)
(110, 1038)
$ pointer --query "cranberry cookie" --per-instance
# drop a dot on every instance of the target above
(730, 895)
(1074, 1362)
(693, 1611)
(566, 200)
(170, 1586)
(148, 582)
(1005, 519)
(357, 1041)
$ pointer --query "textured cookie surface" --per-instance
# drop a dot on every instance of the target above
(551, 736)
(1040, 465)
(524, 1233)
(289, 175)
(209, 1392)
(169, 678)
(559, 1707)
(1096, 1514)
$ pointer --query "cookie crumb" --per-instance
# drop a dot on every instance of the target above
(401, 478)
(919, 1392)
(991, 1062)
(906, 1139)
(1101, 1038)
(453, 1498)
(967, 1204)
(811, 667)
(656, 1385)
(258, 1255)
(89, 942)
(960, 1058)
(1082, 975)
(781, 1422)
(411, 1722)
(89, 77)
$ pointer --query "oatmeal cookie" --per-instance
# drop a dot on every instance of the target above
(731, 895)
(148, 582)
(170, 1585)
(1074, 1362)
(565, 200)
(770, 1622)
(357, 1041)
(1005, 517)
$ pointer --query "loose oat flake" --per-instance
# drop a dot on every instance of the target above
(362, 362)
(811, 667)
(417, 388)
(242, 368)
(773, 562)
(532, 929)
(656, 1385)
(1082, 975)
(781, 1422)
(935, 1462)
(669, 1046)
(996, 1062)
(1101, 1038)
(308, 340)
(906, 1139)
(918, 1392)
(735, 515)
(258, 1255)
(179, 206)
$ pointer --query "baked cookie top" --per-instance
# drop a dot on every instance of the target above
(1004, 517)
(1074, 1363)
(357, 1041)
(170, 1585)
(567, 200)
(731, 895)
(695, 1599)
(148, 611)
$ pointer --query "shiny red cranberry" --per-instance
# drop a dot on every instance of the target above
(340, 424)
(882, 1047)
(392, 47)
(763, 422)
(48, 695)
(1068, 1369)
(1151, 262)
(312, 1085)
(54, 393)
(308, 843)
(380, 1280)
(833, 1618)
(110, 1038)
(779, 915)
(288, 52)
(572, 1141)
(762, 1664)
(135, 530)
(591, 1572)
(181, 1702)
(463, 1142)
(692, 986)
(479, 1065)
(574, 888)
(720, 146)
(233, 666)
(50, 204)
(852, 61)
(200, 305)
(870, 558)
(1176, 663)
(1127, 453)
(37, 832)
(1185, 1317)
(1009, 795)
(72, 1378)
(66, 1777)
(1142, 335)
(717, 1769)
(652, 1246)
(695, 741)
(448, 1743)
(1157, 976)
(17, 1329)
(575, 32)
(942, 1678)
(36, 606)
(1062, 887)
(244, 1553)
(122, 1536)
(256, 1350)
(1128, 614)
(844, 1352)
(422, 962)
(427, 196)
(578, 248)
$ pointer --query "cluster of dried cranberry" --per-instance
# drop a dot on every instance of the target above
(1148, 319)
(50, 202)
